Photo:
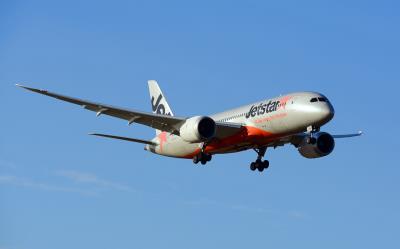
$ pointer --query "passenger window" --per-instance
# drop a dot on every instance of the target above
(314, 100)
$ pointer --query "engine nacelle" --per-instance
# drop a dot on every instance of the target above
(323, 145)
(198, 129)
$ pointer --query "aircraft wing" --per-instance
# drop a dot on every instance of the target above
(157, 121)
(227, 129)
(298, 138)
(135, 140)
(348, 135)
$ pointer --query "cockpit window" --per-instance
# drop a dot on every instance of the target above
(322, 99)
(314, 100)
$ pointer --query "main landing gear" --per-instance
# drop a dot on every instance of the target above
(202, 157)
(259, 163)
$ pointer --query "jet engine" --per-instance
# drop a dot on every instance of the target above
(198, 129)
(321, 145)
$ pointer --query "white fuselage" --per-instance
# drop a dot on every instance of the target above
(263, 122)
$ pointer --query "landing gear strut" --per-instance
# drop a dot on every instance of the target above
(202, 157)
(311, 130)
(259, 163)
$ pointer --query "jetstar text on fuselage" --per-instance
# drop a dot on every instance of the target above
(262, 108)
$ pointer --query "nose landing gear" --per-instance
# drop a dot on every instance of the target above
(259, 163)
(312, 130)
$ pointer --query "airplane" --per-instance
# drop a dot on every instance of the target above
(294, 119)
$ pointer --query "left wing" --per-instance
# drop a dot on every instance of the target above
(166, 123)
(348, 135)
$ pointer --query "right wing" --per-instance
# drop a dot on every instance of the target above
(157, 121)
(166, 123)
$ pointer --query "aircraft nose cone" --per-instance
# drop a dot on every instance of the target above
(327, 113)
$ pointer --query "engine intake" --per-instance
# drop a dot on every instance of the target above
(323, 146)
(198, 129)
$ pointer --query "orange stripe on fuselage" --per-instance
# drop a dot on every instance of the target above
(163, 139)
(248, 134)
(270, 118)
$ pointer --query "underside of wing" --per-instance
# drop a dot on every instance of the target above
(348, 135)
(224, 130)
(297, 139)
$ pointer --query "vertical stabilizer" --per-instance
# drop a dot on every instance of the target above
(159, 103)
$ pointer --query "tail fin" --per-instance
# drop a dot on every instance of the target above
(159, 103)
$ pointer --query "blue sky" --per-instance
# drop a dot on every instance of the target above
(60, 188)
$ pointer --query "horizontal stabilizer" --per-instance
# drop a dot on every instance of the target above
(124, 138)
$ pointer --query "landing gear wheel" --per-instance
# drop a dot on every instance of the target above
(265, 164)
(253, 166)
(259, 163)
(203, 158)
(196, 159)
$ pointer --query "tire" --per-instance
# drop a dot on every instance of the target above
(266, 164)
(260, 168)
(253, 166)
(196, 159)
(203, 161)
